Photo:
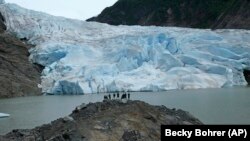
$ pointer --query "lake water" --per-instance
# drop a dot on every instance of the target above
(211, 106)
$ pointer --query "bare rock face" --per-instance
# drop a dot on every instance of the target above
(238, 16)
(18, 77)
(107, 121)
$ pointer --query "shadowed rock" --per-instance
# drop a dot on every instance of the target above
(247, 76)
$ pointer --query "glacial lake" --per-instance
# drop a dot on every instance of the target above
(211, 106)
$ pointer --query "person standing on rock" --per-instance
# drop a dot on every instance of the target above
(105, 97)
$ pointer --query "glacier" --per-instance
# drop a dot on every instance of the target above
(88, 57)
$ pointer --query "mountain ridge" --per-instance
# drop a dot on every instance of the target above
(214, 14)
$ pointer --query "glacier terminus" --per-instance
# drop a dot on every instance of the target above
(88, 57)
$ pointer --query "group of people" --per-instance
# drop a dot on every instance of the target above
(117, 96)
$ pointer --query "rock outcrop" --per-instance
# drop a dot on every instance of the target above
(184, 13)
(18, 77)
(107, 121)
(247, 76)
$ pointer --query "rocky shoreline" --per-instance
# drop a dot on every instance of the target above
(110, 120)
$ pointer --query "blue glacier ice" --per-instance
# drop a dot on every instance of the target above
(89, 57)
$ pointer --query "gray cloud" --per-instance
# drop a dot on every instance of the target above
(77, 9)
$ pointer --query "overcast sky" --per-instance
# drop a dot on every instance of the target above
(77, 9)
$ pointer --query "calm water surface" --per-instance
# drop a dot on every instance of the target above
(211, 106)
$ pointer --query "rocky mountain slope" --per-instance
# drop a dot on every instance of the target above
(184, 13)
(107, 121)
(18, 77)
